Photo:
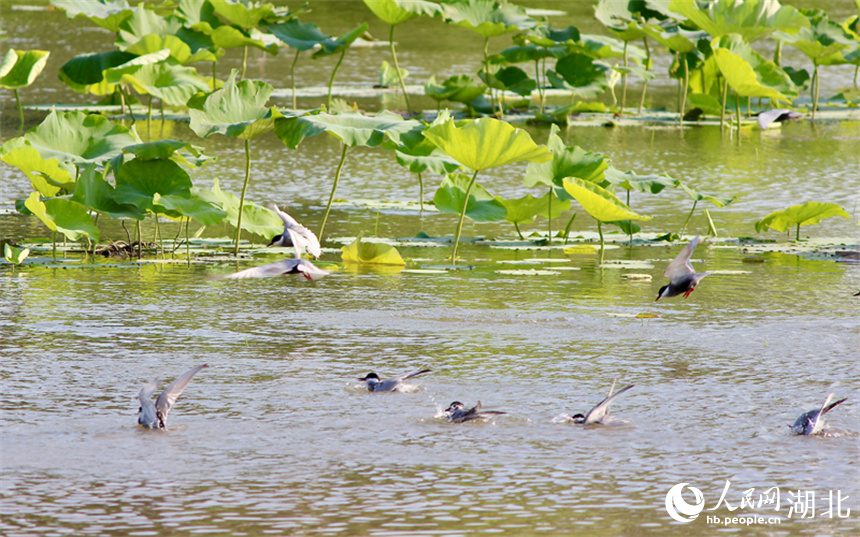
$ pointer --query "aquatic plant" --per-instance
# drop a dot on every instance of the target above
(333, 46)
(522, 210)
(300, 36)
(371, 253)
(19, 69)
(696, 196)
(13, 255)
(629, 181)
(807, 214)
(479, 145)
(107, 14)
(414, 152)
(458, 89)
(394, 12)
(237, 110)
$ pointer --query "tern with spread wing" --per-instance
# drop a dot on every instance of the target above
(394, 384)
(154, 416)
(812, 422)
(457, 413)
(682, 277)
(295, 235)
(600, 413)
(287, 266)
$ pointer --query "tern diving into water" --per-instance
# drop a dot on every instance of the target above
(682, 277)
(295, 235)
(457, 413)
(394, 384)
(600, 413)
(812, 422)
(154, 416)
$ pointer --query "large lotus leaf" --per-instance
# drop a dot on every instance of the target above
(808, 214)
(600, 203)
(642, 183)
(488, 17)
(672, 36)
(190, 207)
(458, 88)
(525, 209)
(20, 68)
(138, 180)
(512, 79)
(748, 73)
(626, 17)
(547, 37)
(237, 110)
(245, 16)
(255, 219)
(486, 143)
(114, 74)
(393, 12)
(371, 253)
(300, 36)
(335, 46)
(179, 49)
(602, 47)
(752, 19)
(108, 14)
(48, 176)
(78, 138)
(824, 42)
(225, 36)
(173, 84)
(697, 196)
(521, 54)
(95, 193)
(16, 256)
(354, 129)
(566, 162)
(86, 70)
(425, 156)
(579, 73)
(145, 22)
(65, 216)
(482, 207)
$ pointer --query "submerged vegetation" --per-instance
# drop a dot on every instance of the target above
(83, 167)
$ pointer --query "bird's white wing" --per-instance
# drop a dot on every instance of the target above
(302, 238)
(171, 393)
(680, 266)
(818, 424)
(598, 412)
(311, 271)
(147, 416)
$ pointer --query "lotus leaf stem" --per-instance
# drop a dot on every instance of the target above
(624, 84)
(420, 193)
(816, 82)
(54, 240)
(214, 64)
(645, 82)
(549, 216)
(20, 112)
(517, 227)
(683, 229)
(244, 60)
(777, 54)
(293, 77)
(686, 88)
(487, 72)
(539, 87)
(149, 110)
(333, 189)
(797, 233)
(723, 107)
(397, 68)
(600, 232)
(242, 199)
(567, 228)
(738, 114)
(462, 217)
(139, 239)
(187, 242)
(128, 103)
(331, 80)
(856, 69)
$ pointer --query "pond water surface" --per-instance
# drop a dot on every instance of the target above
(278, 437)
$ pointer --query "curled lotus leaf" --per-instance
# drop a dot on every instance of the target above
(807, 214)
(371, 253)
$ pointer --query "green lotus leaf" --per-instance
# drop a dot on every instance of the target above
(95, 193)
(600, 203)
(78, 138)
(21, 67)
(752, 19)
(394, 12)
(16, 256)
(334, 46)
(566, 162)
(388, 75)
(601, 47)
(481, 206)
(353, 129)
(512, 79)
(629, 227)
(458, 88)
(521, 54)
(48, 176)
(190, 207)
(696, 196)
(525, 209)
(547, 37)
(179, 49)
(626, 19)
(65, 216)
(672, 36)
(371, 253)
(255, 219)
(579, 73)
(243, 15)
(488, 17)
(138, 180)
(823, 41)
(708, 104)
(225, 36)
(237, 110)
(298, 35)
(113, 75)
(108, 14)
(808, 214)
(486, 143)
(83, 72)
(144, 22)
(748, 73)
(642, 183)
(173, 84)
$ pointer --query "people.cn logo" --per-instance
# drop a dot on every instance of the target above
(679, 509)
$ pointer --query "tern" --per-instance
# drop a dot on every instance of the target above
(812, 422)
(295, 235)
(458, 413)
(600, 413)
(154, 416)
(682, 277)
(287, 266)
(394, 384)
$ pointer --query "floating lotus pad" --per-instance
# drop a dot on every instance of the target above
(529, 272)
